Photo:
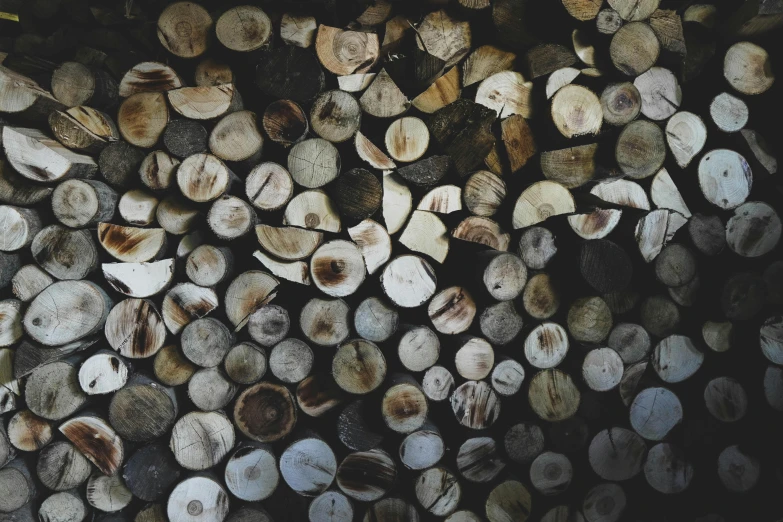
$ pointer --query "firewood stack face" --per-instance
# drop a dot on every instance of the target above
(385, 261)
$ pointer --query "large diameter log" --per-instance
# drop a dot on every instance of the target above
(80, 309)
(97, 441)
(61, 466)
(199, 497)
(17, 485)
(24, 97)
(142, 118)
(200, 440)
(149, 76)
(184, 29)
(308, 466)
(251, 472)
(82, 203)
(65, 253)
(244, 29)
(265, 412)
(143, 410)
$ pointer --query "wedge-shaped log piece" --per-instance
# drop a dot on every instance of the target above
(247, 293)
(132, 244)
(383, 99)
(426, 233)
(686, 135)
(506, 93)
(66, 311)
(83, 129)
(21, 96)
(295, 271)
(444, 199)
(38, 157)
(374, 243)
(540, 201)
(484, 62)
(571, 167)
(444, 91)
(139, 279)
(622, 192)
(149, 77)
(370, 153)
(97, 441)
(185, 303)
(17, 190)
(312, 209)
(288, 243)
(483, 231)
(665, 194)
(205, 103)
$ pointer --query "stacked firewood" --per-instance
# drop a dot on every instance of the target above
(472, 260)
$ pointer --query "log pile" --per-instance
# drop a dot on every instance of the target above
(466, 260)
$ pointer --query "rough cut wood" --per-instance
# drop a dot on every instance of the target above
(506, 93)
(142, 118)
(83, 129)
(442, 92)
(24, 97)
(462, 129)
(540, 201)
(38, 157)
(325, 322)
(202, 494)
(660, 92)
(621, 103)
(148, 77)
(383, 98)
(616, 454)
(318, 394)
(346, 52)
(269, 186)
(634, 48)
(358, 366)
(183, 29)
(576, 111)
(725, 178)
(28, 282)
(509, 500)
(137, 207)
(75, 84)
(18, 190)
(438, 491)
(747, 69)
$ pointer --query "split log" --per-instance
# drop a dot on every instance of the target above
(551, 473)
(546, 345)
(686, 136)
(148, 77)
(75, 84)
(24, 97)
(18, 190)
(61, 466)
(509, 500)
(541, 297)
(312, 209)
(83, 129)
(539, 202)
(150, 472)
(370, 153)
(438, 491)
(186, 302)
(634, 48)
(346, 52)
(38, 157)
(209, 265)
(197, 496)
(397, 202)
(560, 78)
(500, 323)
(291, 360)
(443, 91)
(28, 282)
(675, 358)
(506, 93)
(209, 389)
(103, 372)
(546, 58)
(553, 396)
(96, 440)
(107, 493)
(318, 394)
(444, 199)
(383, 99)
(308, 466)
(142, 118)
(358, 194)
(617, 454)
(184, 29)
(157, 170)
(206, 102)
(247, 293)
(137, 207)
(366, 476)
(665, 194)
(230, 218)
(485, 61)
(717, 335)
(622, 192)
(325, 322)
(358, 366)
(437, 383)
(462, 129)
(269, 186)
(422, 448)
(747, 69)
(475, 405)
(427, 234)
(597, 224)
(298, 30)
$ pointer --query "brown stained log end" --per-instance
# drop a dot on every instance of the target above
(265, 412)
(97, 441)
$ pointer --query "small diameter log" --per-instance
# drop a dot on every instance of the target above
(176, 215)
(200, 440)
(18, 226)
(131, 244)
(251, 472)
(541, 297)
(667, 470)
(353, 429)
(589, 320)
(150, 472)
(686, 135)
(142, 118)
(743, 296)
(206, 102)
(747, 68)
(640, 149)
(61, 466)
(285, 122)
(335, 116)
(313, 163)
(75, 84)
(248, 292)
(157, 170)
(346, 52)
(265, 412)
(500, 323)
(312, 209)
(408, 281)
(107, 493)
(754, 230)
(475, 358)
(553, 396)
(149, 77)
(29, 432)
(507, 93)
(198, 497)
(143, 409)
(725, 178)
(675, 358)
(40, 158)
(17, 485)
(437, 383)
(230, 218)
(103, 372)
(602, 369)
(675, 266)
(660, 316)
(366, 476)
(524, 442)
(407, 139)
(184, 29)
(337, 268)
(298, 30)
(509, 500)
(65, 253)
(422, 448)
(404, 406)
(634, 11)
(616, 454)
(67, 506)
(308, 466)
(183, 138)
(244, 29)
(171, 367)
(358, 194)
(291, 360)
(475, 405)
(137, 207)
(604, 502)
(660, 92)
(418, 348)
(726, 399)
(82, 309)
(186, 302)
(209, 265)
(546, 345)
(478, 460)
(7, 451)
(484, 193)
(358, 366)
(318, 394)
(728, 112)
(375, 320)
(209, 389)
(383, 99)
(203, 178)
(96, 440)
(330, 506)
(738, 471)
(621, 103)
(135, 329)
(438, 491)
(269, 186)
(551, 473)
(246, 363)
(83, 129)
(717, 335)
(325, 322)
(206, 341)
(576, 111)
(236, 137)
(634, 48)
(452, 310)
